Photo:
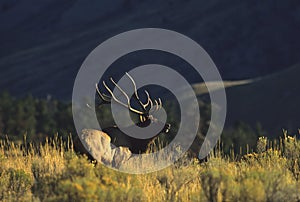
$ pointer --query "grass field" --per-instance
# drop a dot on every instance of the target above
(53, 172)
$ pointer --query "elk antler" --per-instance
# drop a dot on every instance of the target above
(145, 106)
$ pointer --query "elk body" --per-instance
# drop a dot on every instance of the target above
(121, 139)
(135, 145)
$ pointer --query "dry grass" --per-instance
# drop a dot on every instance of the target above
(53, 172)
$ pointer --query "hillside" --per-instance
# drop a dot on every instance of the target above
(43, 43)
(272, 101)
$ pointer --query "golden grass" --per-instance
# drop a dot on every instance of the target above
(53, 172)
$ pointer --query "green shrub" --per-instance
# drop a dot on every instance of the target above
(15, 185)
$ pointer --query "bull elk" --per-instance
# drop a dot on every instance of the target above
(146, 118)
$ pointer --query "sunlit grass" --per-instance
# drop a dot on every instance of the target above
(53, 172)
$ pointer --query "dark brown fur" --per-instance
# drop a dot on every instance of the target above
(118, 138)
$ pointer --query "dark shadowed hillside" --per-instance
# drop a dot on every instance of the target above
(43, 43)
(273, 101)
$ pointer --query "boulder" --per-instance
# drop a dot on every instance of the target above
(97, 145)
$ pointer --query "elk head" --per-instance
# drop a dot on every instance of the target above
(145, 113)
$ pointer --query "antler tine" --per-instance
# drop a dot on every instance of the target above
(151, 103)
(148, 99)
(160, 103)
(124, 93)
(134, 85)
(156, 104)
(112, 95)
(136, 93)
(104, 97)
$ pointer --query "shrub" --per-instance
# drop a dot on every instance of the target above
(15, 185)
(51, 173)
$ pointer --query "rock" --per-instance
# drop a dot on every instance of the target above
(98, 146)
(121, 154)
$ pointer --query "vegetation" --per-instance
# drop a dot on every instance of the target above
(38, 118)
(34, 117)
(49, 170)
(53, 172)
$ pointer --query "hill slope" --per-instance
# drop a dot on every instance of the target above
(272, 101)
(43, 43)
